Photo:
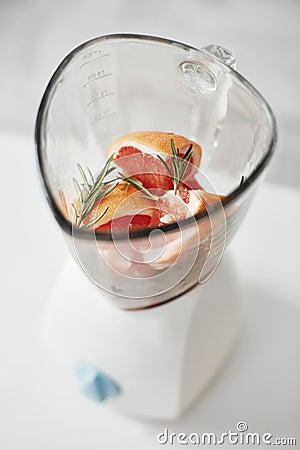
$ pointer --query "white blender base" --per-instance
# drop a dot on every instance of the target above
(161, 358)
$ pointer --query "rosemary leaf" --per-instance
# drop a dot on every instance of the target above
(111, 188)
(92, 222)
(185, 165)
(139, 185)
(75, 212)
(91, 193)
(100, 180)
(188, 152)
(166, 165)
(78, 190)
(173, 147)
(88, 205)
(92, 199)
(91, 175)
(83, 175)
(179, 164)
(105, 171)
(175, 169)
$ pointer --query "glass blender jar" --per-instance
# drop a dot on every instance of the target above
(150, 356)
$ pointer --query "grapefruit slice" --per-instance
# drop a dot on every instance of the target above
(185, 204)
(171, 208)
(136, 155)
(123, 203)
(130, 222)
(144, 167)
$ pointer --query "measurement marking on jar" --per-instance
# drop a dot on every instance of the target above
(94, 59)
(100, 97)
(102, 116)
(97, 78)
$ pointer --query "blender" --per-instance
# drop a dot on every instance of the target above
(141, 334)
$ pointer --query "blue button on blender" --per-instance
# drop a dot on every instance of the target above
(94, 384)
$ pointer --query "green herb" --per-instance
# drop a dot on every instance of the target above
(139, 185)
(92, 222)
(91, 190)
(179, 164)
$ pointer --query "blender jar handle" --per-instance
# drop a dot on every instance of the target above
(197, 77)
(221, 53)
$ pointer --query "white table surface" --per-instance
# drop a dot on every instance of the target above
(39, 409)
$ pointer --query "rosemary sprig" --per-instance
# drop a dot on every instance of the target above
(179, 164)
(139, 185)
(90, 191)
(92, 222)
(93, 189)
